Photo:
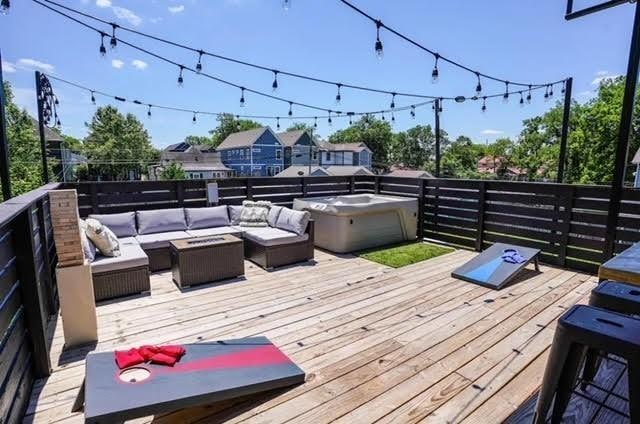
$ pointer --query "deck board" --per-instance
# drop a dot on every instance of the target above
(378, 344)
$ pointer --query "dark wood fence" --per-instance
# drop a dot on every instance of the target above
(567, 222)
(28, 297)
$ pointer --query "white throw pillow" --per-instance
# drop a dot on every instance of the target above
(104, 239)
(234, 214)
(295, 221)
(88, 247)
(254, 214)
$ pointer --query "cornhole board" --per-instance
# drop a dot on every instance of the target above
(490, 270)
(624, 267)
(207, 373)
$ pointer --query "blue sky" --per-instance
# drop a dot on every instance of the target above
(525, 40)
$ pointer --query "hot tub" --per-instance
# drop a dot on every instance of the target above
(360, 221)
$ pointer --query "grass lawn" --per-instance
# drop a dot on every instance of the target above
(404, 254)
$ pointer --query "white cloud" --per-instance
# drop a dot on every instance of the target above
(603, 76)
(8, 67)
(491, 132)
(103, 3)
(139, 64)
(25, 98)
(117, 63)
(155, 20)
(36, 64)
(127, 15)
(176, 9)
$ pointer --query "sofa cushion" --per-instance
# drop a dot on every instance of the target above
(88, 248)
(234, 214)
(291, 220)
(161, 221)
(268, 236)
(254, 214)
(122, 224)
(132, 256)
(206, 232)
(197, 218)
(274, 212)
(160, 240)
(128, 240)
(104, 239)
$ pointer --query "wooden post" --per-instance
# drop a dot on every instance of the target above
(566, 224)
(437, 130)
(180, 193)
(30, 291)
(482, 195)
(352, 184)
(421, 193)
(249, 185)
(376, 186)
(5, 178)
(93, 187)
(304, 186)
(44, 241)
(564, 136)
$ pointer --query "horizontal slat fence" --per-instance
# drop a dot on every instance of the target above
(28, 297)
(566, 222)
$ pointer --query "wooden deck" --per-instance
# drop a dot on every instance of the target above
(378, 344)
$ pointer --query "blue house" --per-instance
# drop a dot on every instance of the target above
(299, 148)
(257, 153)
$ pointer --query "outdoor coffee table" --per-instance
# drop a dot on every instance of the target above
(204, 259)
(207, 373)
(490, 270)
(624, 267)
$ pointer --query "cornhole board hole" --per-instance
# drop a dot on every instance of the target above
(207, 373)
(490, 270)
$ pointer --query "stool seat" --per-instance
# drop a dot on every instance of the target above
(616, 296)
(584, 328)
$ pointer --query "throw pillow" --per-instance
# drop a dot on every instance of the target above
(215, 216)
(254, 214)
(274, 212)
(234, 214)
(88, 247)
(295, 221)
(104, 239)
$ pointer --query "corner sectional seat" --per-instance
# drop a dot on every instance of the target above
(144, 238)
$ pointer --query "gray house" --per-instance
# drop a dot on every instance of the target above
(299, 148)
(349, 154)
(197, 161)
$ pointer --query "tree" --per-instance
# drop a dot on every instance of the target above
(375, 133)
(24, 147)
(228, 124)
(197, 139)
(117, 145)
(173, 171)
(72, 143)
(301, 126)
(413, 148)
(461, 158)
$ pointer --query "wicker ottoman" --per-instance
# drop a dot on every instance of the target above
(204, 259)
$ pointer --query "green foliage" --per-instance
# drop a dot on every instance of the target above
(24, 147)
(73, 144)
(413, 148)
(461, 158)
(406, 254)
(375, 133)
(173, 172)
(228, 124)
(118, 145)
(197, 139)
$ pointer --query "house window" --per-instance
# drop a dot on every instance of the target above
(328, 156)
(278, 154)
(315, 155)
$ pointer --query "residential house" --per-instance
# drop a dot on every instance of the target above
(409, 173)
(299, 148)
(197, 161)
(498, 166)
(349, 154)
(636, 162)
(319, 171)
(257, 152)
(64, 161)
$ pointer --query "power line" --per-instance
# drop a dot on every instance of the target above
(437, 56)
(198, 68)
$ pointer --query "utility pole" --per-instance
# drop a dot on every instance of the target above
(4, 143)
(437, 129)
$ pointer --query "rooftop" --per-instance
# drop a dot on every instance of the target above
(242, 139)
(376, 343)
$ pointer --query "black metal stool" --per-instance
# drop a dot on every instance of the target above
(613, 296)
(583, 327)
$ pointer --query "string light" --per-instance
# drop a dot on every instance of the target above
(413, 112)
(180, 78)
(286, 4)
(199, 64)
(350, 121)
(93, 98)
(484, 104)
(4, 7)
(103, 49)
(113, 42)
(378, 47)
(315, 122)
(149, 111)
(241, 96)
(529, 95)
(274, 85)
(383, 117)
(440, 106)
(479, 86)
(290, 109)
(521, 100)
(564, 87)
(551, 90)
(194, 118)
(393, 118)
(393, 101)
(546, 93)
(238, 126)
(435, 73)
(505, 96)
(278, 122)
(338, 95)
(329, 121)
